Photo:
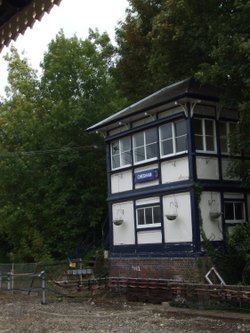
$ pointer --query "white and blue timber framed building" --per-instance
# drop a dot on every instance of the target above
(167, 161)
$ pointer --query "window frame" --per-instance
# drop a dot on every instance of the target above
(204, 136)
(148, 225)
(229, 132)
(120, 153)
(234, 202)
(144, 146)
(173, 138)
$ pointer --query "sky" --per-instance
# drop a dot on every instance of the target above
(75, 17)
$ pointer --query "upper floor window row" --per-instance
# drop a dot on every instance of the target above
(172, 137)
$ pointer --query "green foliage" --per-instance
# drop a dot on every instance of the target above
(161, 42)
(53, 173)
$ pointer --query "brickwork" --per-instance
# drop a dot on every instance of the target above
(177, 269)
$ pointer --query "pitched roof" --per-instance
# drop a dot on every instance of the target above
(185, 88)
(17, 15)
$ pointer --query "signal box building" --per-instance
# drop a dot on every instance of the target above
(167, 161)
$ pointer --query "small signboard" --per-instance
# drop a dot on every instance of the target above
(146, 175)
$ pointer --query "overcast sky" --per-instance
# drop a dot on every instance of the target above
(74, 17)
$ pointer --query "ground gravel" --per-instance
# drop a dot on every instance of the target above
(21, 313)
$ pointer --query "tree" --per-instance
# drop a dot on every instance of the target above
(53, 188)
(161, 42)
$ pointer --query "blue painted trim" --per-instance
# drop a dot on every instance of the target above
(217, 137)
(246, 206)
(222, 216)
(153, 250)
(156, 190)
(195, 221)
(147, 205)
(132, 167)
(191, 146)
(148, 229)
(108, 162)
(110, 219)
(135, 223)
(162, 219)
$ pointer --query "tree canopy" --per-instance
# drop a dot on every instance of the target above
(53, 184)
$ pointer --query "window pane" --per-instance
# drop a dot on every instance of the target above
(166, 131)
(148, 215)
(197, 126)
(139, 139)
(140, 216)
(115, 161)
(157, 214)
(209, 127)
(229, 211)
(199, 142)
(151, 135)
(181, 144)
(180, 128)
(139, 154)
(125, 144)
(209, 143)
(167, 147)
(151, 150)
(115, 147)
(126, 158)
(238, 209)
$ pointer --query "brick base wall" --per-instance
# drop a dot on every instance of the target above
(178, 269)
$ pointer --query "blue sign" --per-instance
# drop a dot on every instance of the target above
(146, 176)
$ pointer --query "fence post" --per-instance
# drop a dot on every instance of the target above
(0, 280)
(9, 280)
(42, 276)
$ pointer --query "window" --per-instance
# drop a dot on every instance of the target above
(145, 145)
(204, 130)
(234, 211)
(226, 129)
(173, 138)
(148, 216)
(121, 153)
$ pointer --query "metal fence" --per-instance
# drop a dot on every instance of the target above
(23, 278)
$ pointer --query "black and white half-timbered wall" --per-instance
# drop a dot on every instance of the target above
(167, 162)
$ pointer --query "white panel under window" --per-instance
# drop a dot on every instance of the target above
(149, 237)
(121, 181)
(225, 164)
(123, 234)
(180, 229)
(175, 170)
(207, 167)
(211, 203)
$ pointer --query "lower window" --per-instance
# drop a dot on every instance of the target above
(234, 211)
(148, 216)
